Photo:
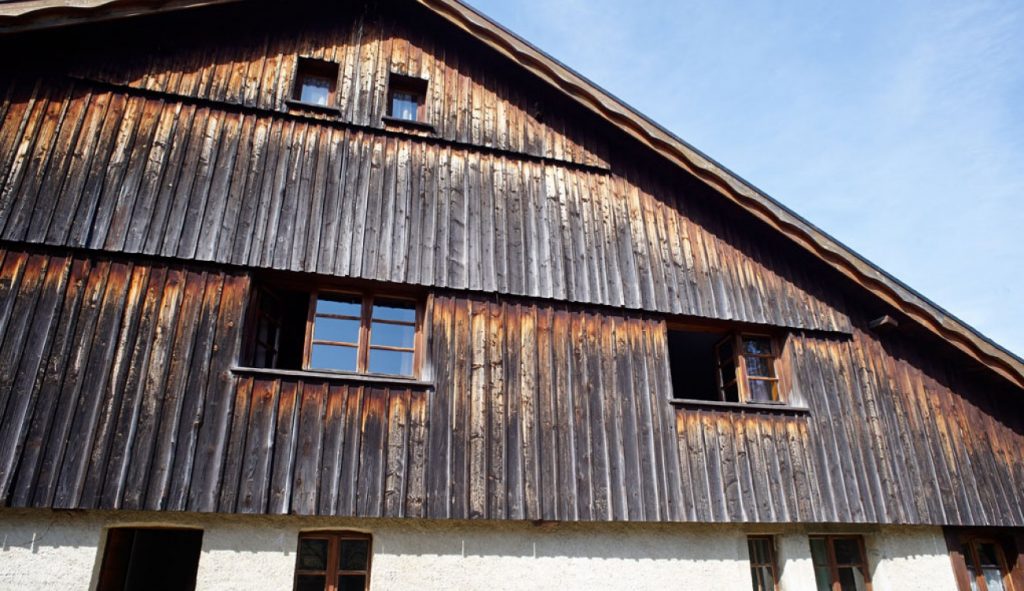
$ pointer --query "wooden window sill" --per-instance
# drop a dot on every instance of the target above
(332, 376)
(409, 123)
(301, 106)
(781, 409)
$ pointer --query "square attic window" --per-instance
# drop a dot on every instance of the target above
(407, 98)
(315, 81)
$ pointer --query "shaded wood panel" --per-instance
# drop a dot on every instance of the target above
(472, 97)
(99, 170)
(114, 382)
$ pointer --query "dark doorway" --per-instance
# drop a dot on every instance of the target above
(138, 559)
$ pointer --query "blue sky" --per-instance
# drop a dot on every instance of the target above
(897, 127)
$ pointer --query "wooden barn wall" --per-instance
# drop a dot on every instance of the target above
(471, 97)
(90, 168)
(116, 391)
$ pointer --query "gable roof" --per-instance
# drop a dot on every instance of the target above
(23, 15)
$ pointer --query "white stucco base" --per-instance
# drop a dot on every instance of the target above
(63, 549)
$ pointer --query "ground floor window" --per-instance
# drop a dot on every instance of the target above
(839, 563)
(763, 571)
(333, 561)
(137, 559)
(987, 559)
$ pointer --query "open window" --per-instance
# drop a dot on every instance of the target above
(333, 561)
(144, 559)
(407, 98)
(338, 331)
(987, 559)
(315, 82)
(723, 366)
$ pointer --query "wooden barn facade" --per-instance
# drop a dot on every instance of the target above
(375, 295)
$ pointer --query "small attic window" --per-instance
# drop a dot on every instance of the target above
(407, 98)
(723, 366)
(315, 81)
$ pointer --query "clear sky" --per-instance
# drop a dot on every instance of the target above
(897, 127)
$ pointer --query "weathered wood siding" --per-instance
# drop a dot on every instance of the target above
(472, 98)
(116, 391)
(97, 169)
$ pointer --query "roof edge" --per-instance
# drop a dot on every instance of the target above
(29, 15)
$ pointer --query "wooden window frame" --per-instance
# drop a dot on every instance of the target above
(308, 66)
(834, 565)
(417, 87)
(332, 572)
(366, 320)
(772, 563)
(742, 377)
(1005, 543)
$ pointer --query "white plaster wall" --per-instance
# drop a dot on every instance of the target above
(62, 549)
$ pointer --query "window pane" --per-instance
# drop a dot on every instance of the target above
(392, 335)
(993, 578)
(851, 579)
(847, 551)
(404, 106)
(759, 367)
(758, 548)
(333, 329)
(757, 346)
(353, 554)
(311, 583)
(315, 90)
(333, 357)
(351, 583)
(762, 576)
(762, 391)
(340, 305)
(397, 310)
(818, 551)
(397, 363)
(312, 555)
(823, 578)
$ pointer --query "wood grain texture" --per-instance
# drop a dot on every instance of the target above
(116, 391)
(183, 180)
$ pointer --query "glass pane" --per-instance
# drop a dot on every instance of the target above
(333, 329)
(823, 578)
(993, 578)
(851, 579)
(333, 357)
(847, 551)
(312, 555)
(760, 367)
(392, 335)
(763, 578)
(757, 346)
(311, 583)
(398, 310)
(315, 90)
(818, 551)
(396, 363)
(758, 550)
(340, 305)
(353, 554)
(404, 106)
(351, 583)
(762, 391)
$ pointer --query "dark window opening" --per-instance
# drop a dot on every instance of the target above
(315, 81)
(839, 563)
(763, 569)
(407, 98)
(278, 331)
(150, 560)
(328, 561)
(691, 357)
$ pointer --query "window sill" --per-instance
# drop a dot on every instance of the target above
(410, 123)
(301, 106)
(331, 376)
(781, 409)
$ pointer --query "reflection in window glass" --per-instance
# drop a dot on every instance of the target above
(396, 310)
(312, 554)
(404, 105)
(315, 90)
(354, 554)
(339, 306)
(398, 363)
(334, 357)
(393, 335)
(336, 330)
